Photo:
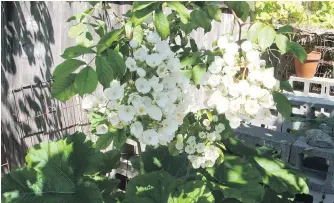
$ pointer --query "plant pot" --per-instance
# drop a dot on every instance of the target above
(309, 67)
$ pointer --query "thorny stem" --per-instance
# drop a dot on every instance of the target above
(141, 162)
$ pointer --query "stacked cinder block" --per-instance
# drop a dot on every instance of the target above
(321, 181)
(253, 135)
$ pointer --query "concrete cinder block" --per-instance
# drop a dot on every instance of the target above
(319, 180)
(260, 136)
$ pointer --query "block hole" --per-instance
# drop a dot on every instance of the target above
(123, 181)
(315, 163)
(331, 90)
(315, 88)
(299, 86)
(129, 151)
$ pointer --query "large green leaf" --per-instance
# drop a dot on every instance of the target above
(67, 67)
(139, 16)
(107, 40)
(138, 34)
(117, 63)
(283, 105)
(151, 187)
(161, 24)
(266, 37)
(63, 87)
(104, 141)
(138, 5)
(285, 29)
(282, 43)
(281, 178)
(161, 159)
(240, 148)
(76, 30)
(254, 31)
(192, 192)
(237, 178)
(104, 71)
(285, 85)
(75, 51)
(214, 12)
(86, 81)
(241, 9)
(200, 18)
(271, 196)
(56, 172)
(298, 51)
(191, 59)
(198, 72)
(180, 9)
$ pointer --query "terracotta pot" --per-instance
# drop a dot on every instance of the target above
(309, 67)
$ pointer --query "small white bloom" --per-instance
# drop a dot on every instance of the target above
(142, 85)
(162, 47)
(214, 80)
(269, 81)
(101, 129)
(220, 128)
(126, 113)
(136, 129)
(191, 140)
(141, 109)
(255, 92)
(216, 65)
(252, 107)
(235, 105)
(246, 46)
(202, 135)
(153, 60)
(263, 114)
(162, 70)
(206, 122)
(153, 38)
(222, 42)
(200, 147)
(253, 56)
(174, 65)
(232, 48)
(230, 70)
(234, 120)
(212, 136)
(160, 98)
(133, 43)
(214, 118)
(141, 72)
(88, 102)
(155, 112)
(179, 145)
(113, 118)
(229, 59)
(115, 91)
(140, 54)
(131, 64)
(150, 137)
(157, 87)
(169, 126)
(190, 149)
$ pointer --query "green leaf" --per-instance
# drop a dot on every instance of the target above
(282, 104)
(254, 31)
(193, 45)
(200, 18)
(76, 30)
(138, 5)
(271, 196)
(119, 139)
(241, 9)
(86, 81)
(240, 148)
(161, 24)
(198, 72)
(110, 160)
(282, 43)
(55, 173)
(281, 178)
(285, 29)
(67, 67)
(85, 39)
(63, 87)
(266, 37)
(75, 51)
(107, 40)
(150, 187)
(103, 141)
(180, 9)
(138, 34)
(192, 191)
(214, 12)
(298, 51)
(105, 73)
(191, 59)
(117, 63)
(285, 85)
(138, 17)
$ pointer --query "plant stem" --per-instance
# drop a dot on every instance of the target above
(141, 162)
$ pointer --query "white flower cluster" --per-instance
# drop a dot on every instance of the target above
(154, 105)
(238, 84)
(201, 149)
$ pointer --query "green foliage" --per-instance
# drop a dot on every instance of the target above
(266, 37)
(306, 14)
(161, 24)
(75, 51)
(200, 18)
(198, 72)
(282, 43)
(63, 87)
(298, 51)
(105, 72)
(68, 170)
(181, 10)
(86, 81)
(67, 67)
(214, 12)
(241, 8)
(107, 40)
(282, 104)
(285, 85)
